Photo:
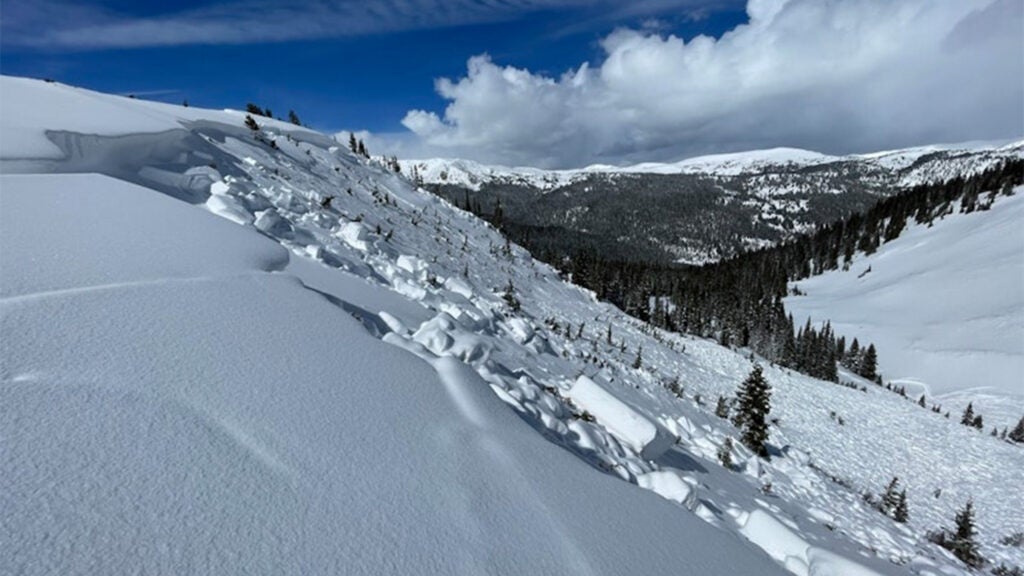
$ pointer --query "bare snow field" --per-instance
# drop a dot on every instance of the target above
(226, 352)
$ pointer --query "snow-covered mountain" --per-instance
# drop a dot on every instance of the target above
(248, 351)
(909, 166)
(701, 209)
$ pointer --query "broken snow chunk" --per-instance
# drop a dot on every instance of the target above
(410, 264)
(668, 485)
(394, 324)
(641, 434)
(219, 188)
(459, 286)
(520, 329)
(354, 234)
(228, 207)
(270, 222)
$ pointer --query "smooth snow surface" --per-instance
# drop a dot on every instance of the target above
(176, 396)
(102, 241)
(944, 305)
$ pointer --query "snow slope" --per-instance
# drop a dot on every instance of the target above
(226, 419)
(944, 304)
(180, 398)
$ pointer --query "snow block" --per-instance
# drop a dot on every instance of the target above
(630, 427)
(670, 486)
(354, 234)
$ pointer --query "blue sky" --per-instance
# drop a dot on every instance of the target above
(557, 83)
(361, 79)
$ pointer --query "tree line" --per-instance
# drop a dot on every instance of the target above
(739, 301)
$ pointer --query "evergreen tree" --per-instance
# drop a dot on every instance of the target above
(639, 360)
(753, 407)
(978, 422)
(962, 543)
(891, 497)
(968, 417)
(725, 453)
(254, 109)
(251, 124)
(353, 146)
(869, 364)
(722, 408)
(901, 514)
(1017, 434)
(294, 118)
(921, 402)
(510, 297)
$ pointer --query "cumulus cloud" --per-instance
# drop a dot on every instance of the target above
(837, 77)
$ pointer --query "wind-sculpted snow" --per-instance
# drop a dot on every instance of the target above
(399, 400)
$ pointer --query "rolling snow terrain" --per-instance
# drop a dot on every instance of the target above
(236, 351)
(701, 209)
(945, 306)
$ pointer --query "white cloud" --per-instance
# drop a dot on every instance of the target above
(834, 76)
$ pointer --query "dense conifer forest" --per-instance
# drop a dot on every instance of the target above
(739, 301)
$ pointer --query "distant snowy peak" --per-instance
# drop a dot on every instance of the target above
(753, 161)
(910, 165)
(472, 175)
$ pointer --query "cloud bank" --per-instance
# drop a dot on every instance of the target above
(833, 76)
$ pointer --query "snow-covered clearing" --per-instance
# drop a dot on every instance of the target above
(944, 304)
(331, 379)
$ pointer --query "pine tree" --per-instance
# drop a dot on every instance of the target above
(725, 453)
(978, 422)
(294, 118)
(891, 497)
(251, 124)
(968, 417)
(353, 146)
(510, 297)
(638, 362)
(921, 402)
(869, 363)
(753, 407)
(254, 109)
(722, 408)
(1017, 434)
(901, 514)
(962, 543)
